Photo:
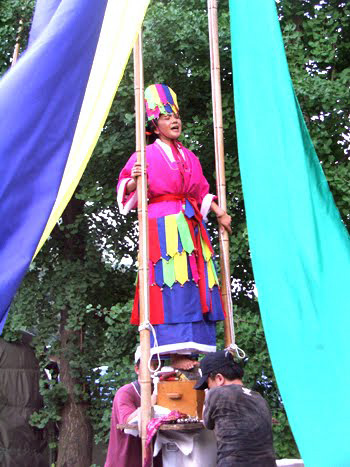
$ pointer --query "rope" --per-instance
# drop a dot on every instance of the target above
(147, 325)
(233, 347)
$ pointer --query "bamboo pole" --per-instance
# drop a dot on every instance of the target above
(144, 375)
(220, 162)
(16, 49)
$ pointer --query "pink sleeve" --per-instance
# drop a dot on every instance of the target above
(125, 404)
(205, 198)
(126, 202)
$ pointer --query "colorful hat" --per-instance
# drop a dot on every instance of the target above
(160, 99)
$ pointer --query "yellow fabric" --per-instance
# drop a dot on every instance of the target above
(174, 97)
(181, 270)
(214, 270)
(206, 250)
(211, 278)
(155, 96)
(121, 24)
(172, 241)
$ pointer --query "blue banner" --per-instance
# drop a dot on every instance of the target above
(40, 102)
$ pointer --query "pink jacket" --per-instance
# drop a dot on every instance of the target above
(164, 177)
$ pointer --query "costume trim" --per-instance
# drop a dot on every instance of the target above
(126, 206)
(205, 206)
(167, 149)
(182, 271)
(184, 348)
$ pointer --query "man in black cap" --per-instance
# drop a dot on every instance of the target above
(240, 417)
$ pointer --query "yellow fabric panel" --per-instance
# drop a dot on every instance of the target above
(211, 278)
(206, 250)
(174, 97)
(155, 96)
(172, 241)
(214, 271)
(180, 265)
(122, 22)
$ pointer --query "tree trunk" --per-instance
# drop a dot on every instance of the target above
(75, 437)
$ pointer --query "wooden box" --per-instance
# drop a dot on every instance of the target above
(180, 395)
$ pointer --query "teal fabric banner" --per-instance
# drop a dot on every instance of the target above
(300, 248)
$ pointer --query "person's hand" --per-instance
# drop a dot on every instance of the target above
(136, 171)
(224, 221)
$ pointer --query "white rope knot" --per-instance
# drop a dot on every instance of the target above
(145, 325)
(234, 349)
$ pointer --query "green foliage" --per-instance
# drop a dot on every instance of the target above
(117, 352)
(54, 395)
(12, 12)
(82, 282)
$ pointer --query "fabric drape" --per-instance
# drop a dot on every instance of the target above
(299, 245)
(53, 105)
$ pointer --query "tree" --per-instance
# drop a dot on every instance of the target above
(77, 295)
(15, 18)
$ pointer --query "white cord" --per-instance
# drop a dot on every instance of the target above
(155, 346)
(147, 325)
(233, 347)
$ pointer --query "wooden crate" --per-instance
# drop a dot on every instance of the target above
(180, 395)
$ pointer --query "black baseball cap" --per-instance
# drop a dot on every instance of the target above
(213, 362)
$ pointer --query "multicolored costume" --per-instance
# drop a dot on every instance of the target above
(185, 299)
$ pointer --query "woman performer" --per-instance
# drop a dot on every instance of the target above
(185, 299)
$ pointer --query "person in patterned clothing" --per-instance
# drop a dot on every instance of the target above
(185, 297)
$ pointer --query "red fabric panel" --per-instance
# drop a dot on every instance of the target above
(135, 318)
(153, 240)
(151, 272)
(193, 265)
(201, 272)
(191, 224)
(156, 305)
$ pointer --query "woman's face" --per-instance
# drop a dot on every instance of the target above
(169, 127)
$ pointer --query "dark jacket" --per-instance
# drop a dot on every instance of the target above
(242, 423)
